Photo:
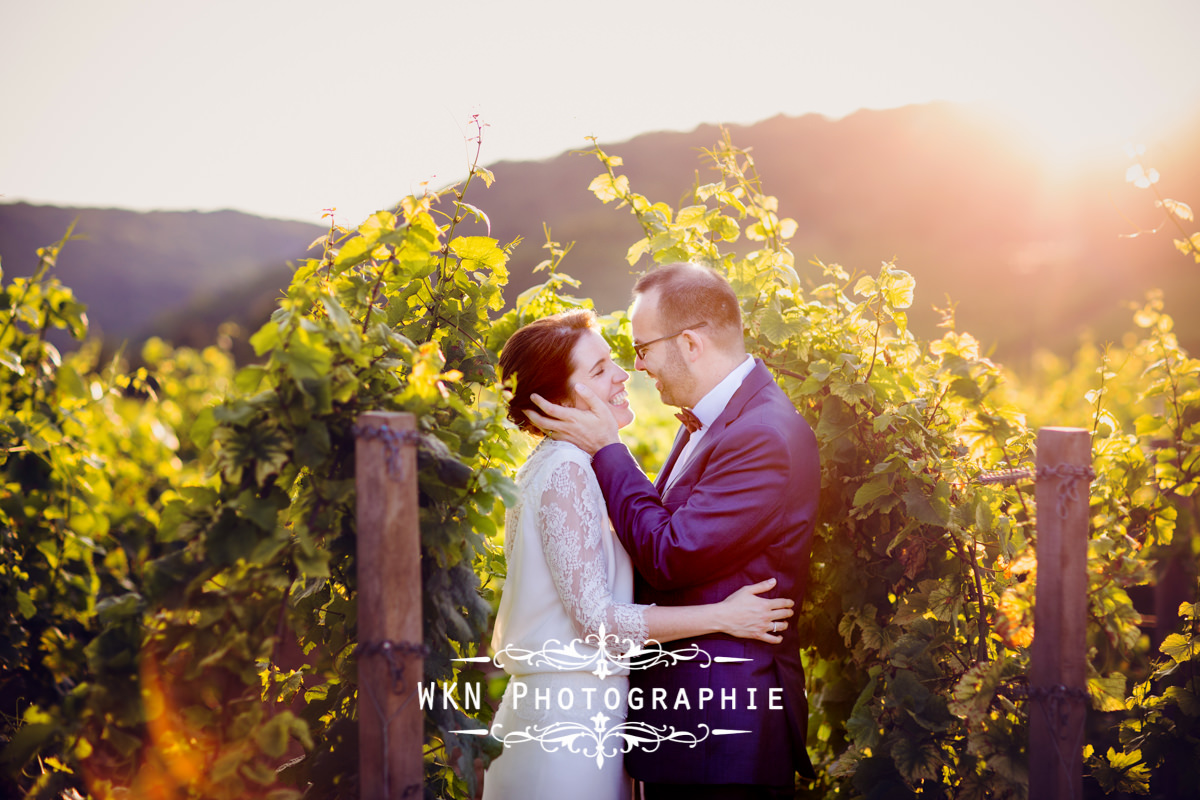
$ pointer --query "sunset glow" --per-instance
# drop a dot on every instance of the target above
(285, 113)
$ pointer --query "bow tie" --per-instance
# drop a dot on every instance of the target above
(689, 420)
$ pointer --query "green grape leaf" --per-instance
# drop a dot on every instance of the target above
(607, 188)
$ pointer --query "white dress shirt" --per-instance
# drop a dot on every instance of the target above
(707, 411)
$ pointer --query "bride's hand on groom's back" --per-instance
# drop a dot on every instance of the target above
(747, 616)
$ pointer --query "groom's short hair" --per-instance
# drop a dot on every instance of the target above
(689, 294)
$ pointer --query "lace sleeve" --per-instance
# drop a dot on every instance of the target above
(571, 521)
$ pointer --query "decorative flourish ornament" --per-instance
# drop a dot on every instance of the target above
(600, 742)
(606, 654)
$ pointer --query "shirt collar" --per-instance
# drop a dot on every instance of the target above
(713, 403)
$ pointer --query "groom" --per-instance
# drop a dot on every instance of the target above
(735, 504)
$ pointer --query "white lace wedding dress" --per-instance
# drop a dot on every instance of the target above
(568, 575)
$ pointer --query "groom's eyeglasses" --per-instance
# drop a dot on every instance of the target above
(640, 349)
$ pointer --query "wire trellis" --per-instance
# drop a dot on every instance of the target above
(393, 441)
(1070, 473)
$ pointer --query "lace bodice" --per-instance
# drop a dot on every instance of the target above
(567, 573)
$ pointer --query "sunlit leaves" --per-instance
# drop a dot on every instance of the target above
(393, 315)
(481, 253)
(210, 546)
(637, 250)
(1121, 772)
(898, 288)
(1177, 209)
(484, 174)
(770, 227)
(1189, 246)
(378, 229)
(267, 338)
(11, 361)
(879, 486)
(607, 188)
(1180, 648)
(931, 508)
(1107, 693)
(1141, 177)
(477, 212)
(94, 450)
(1142, 398)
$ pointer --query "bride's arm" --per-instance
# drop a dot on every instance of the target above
(571, 521)
(743, 614)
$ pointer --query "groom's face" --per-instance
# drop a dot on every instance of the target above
(663, 360)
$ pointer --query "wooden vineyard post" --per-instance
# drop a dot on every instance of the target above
(390, 653)
(1057, 674)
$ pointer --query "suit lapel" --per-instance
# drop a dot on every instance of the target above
(753, 383)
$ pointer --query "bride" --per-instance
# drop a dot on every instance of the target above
(570, 579)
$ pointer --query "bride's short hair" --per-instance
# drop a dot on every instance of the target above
(537, 360)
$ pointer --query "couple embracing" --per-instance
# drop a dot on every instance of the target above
(710, 558)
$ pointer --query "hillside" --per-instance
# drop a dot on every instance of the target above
(139, 271)
(1029, 257)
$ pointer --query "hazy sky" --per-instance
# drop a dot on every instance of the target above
(286, 107)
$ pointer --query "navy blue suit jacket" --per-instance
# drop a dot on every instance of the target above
(742, 511)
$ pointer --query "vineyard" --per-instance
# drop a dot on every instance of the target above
(179, 538)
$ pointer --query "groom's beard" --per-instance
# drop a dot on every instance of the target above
(678, 384)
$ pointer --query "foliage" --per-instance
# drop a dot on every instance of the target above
(920, 608)
(179, 540)
(1142, 401)
(393, 316)
(1148, 492)
(912, 558)
(87, 455)
(1159, 740)
(1175, 212)
(219, 641)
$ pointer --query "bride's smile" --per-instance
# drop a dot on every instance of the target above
(595, 369)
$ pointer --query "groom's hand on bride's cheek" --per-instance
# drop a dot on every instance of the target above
(591, 426)
(551, 421)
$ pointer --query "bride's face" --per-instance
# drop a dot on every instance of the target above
(595, 369)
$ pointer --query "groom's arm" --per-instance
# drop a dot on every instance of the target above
(731, 514)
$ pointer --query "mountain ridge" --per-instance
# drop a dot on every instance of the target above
(131, 267)
(1032, 258)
